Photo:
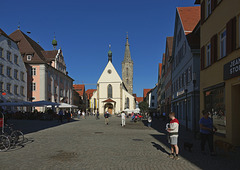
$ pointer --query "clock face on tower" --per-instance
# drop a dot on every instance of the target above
(109, 71)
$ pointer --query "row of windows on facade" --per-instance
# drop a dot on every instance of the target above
(180, 54)
(183, 80)
(9, 88)
(9, 73)
(9, 56)
(226, 40)
(34, 73)
(34, 87)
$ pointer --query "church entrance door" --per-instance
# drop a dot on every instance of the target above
(109, 108)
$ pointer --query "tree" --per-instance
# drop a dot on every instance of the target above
(143, 106)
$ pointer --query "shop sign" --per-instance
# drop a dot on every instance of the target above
(232, 69)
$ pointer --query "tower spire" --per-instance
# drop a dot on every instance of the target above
(127, 54)
(109, 54)
(54, 42)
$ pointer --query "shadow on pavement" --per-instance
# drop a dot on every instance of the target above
(195, 157)
(18, 147)
(30, 126)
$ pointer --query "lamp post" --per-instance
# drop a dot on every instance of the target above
(194, 103)
(186, 91)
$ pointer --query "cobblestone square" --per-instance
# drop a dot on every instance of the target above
(90, 144)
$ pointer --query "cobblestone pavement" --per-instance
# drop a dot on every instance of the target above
(89, 144)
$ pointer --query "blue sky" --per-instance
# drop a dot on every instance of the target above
(84, 28)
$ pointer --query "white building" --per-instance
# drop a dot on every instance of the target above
(152, 97)
(13, 75)
(111, 94)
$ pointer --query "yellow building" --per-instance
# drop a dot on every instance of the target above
(220, 66)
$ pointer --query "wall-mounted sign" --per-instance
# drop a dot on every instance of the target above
(180, 93)
(232, 69)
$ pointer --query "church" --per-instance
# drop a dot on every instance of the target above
(114, 94)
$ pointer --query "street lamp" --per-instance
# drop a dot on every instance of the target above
(194, 102)
(186, 91)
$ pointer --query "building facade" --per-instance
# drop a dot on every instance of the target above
(13, 73)
(80, 89)
(162, 87)
(159, 88)
(47, 76)
(168, 74)
(186, 66)
(151, 99)
(220, 66)
(111, 94)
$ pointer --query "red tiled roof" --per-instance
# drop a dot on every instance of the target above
(89, 93)
(145, 91)
(139, 99)
(80, 88)
(50, 55)
(190, 16)
(108, 100)
(27, 46)
(160, 69)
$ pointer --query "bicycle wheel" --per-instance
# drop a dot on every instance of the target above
(17, 137)
(4, 143)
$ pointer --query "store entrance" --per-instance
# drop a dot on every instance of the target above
(236, 114)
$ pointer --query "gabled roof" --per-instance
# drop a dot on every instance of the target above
(109, 100)
(80, 88)
(4, 34)
(50, 55)
(109, 74)
(170, 45)
(90, 92)
(190, 16)
(139, 99)
(160, 69)
(28, 46)
(145, 91)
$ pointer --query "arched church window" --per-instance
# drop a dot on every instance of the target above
(127, 71)
(127, 103)
(109, 91)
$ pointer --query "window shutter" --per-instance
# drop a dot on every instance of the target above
(214, 51)
(231, 35)
(213, 4)
(234, 35)
(202, 57)
(202, 11)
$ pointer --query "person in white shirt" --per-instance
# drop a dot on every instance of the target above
(123, 117)
(83, 114)
(79, 114)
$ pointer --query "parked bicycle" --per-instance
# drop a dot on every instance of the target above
(9, 137)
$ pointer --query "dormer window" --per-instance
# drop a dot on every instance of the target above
(29, 57)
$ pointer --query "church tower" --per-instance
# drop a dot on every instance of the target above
(127, 69)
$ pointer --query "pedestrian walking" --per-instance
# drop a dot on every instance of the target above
(173, 135)
(106, 118)
(60, 115)
(79, 114)
(97, 114)
(68, 115)
(207, 130)
(123, 117)
(149, 121)
(83, 114)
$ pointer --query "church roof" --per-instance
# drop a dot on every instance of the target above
(127, 54)
(108, 100)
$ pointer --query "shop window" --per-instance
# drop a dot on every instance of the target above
(214, 102)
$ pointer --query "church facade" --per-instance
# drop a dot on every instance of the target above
(114, 94)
